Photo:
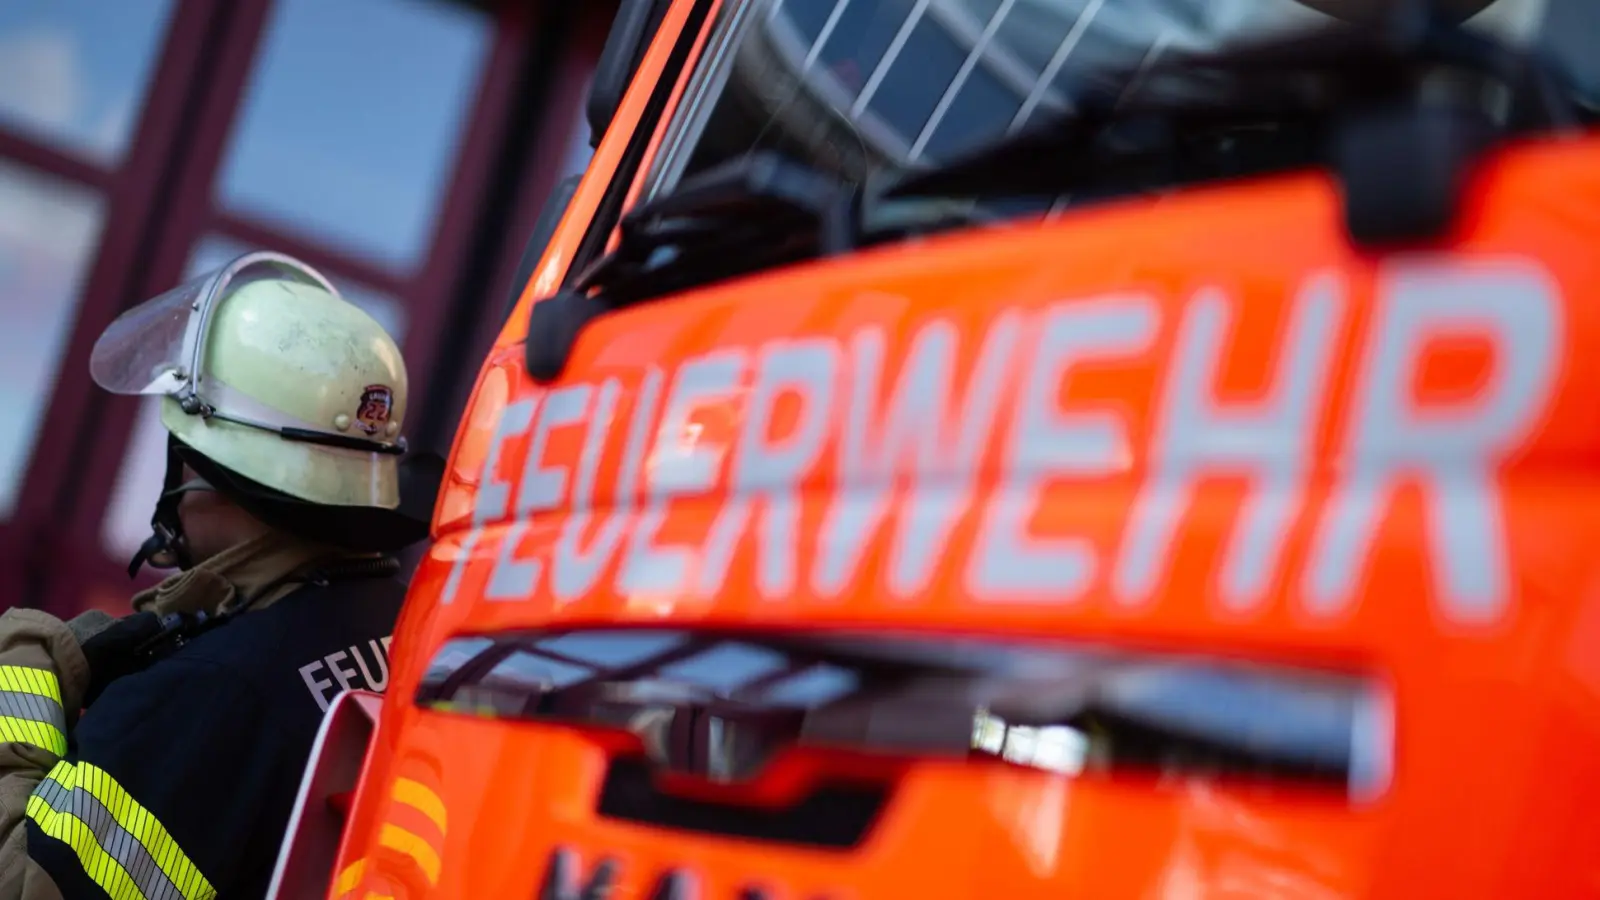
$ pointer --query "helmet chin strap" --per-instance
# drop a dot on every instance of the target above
(167, 547)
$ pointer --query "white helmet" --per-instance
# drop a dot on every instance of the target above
(279, 393)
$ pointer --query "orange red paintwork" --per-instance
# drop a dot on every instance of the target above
(1494, 786)
(580, 211)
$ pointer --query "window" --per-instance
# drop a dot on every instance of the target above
(900, 96)
(982, 105)
(855, 85)
(852, 86)
(73, 80)
(49, 230)
(73, 73)
(860, 38)
(578, 152)
(363, 136)
(349, 131)
(139, 480)
(1052, 707)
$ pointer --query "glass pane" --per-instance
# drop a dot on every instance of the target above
(916, 78)
(861, 38)
(788, 83)
(982, 10)
(49, 230)
(127, 520)
(1568, 34)
(349, 131)
(1113, 42)
(133, 500)
(810, 16)
(1038, 706)
(578, 152)
(982, 107)
(1033, 30)
(73, 73)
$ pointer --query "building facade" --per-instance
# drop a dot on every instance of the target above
(403, 147)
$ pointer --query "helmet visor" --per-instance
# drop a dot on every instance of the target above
(156, 347)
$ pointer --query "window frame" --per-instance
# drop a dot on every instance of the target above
(702, 82)
(160, 207)
(628, 177)
(567, 102)
(33, 542)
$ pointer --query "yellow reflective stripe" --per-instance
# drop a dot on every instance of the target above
(121, 845)
(146, 829)
(24, 680)
(396, 838)
(102, 868)
(350, 877)
(29, 714)
(38, 734)
(420, 797)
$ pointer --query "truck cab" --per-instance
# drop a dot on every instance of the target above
(980, 448)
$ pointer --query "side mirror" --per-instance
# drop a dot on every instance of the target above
(631, 32)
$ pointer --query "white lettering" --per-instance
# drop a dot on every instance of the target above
(542, 489)
(574, 571)
(943, 456)
(1453, 452)
(678, 470)
(317, 686)
(771, 471)
(347, 677)
(914, 435)
(1046, 442)
(340, 674)
(493, 492)
(381, 666)
(1271, 442)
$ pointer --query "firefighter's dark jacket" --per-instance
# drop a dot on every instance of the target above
(178, 781)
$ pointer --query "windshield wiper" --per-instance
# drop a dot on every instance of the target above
(756, 212)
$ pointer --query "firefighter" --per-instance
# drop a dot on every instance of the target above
(158, 755)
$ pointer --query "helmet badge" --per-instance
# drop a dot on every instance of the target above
(376, 402)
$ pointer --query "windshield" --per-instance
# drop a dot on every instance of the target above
(853, 86)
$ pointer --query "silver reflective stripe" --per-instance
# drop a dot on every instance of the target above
(32, 708)
(116, 841)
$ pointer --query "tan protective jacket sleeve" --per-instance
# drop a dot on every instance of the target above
(43, 675)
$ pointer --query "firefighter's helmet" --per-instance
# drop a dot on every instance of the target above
(278, 392)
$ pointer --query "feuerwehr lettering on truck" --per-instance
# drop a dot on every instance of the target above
(941, 415)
